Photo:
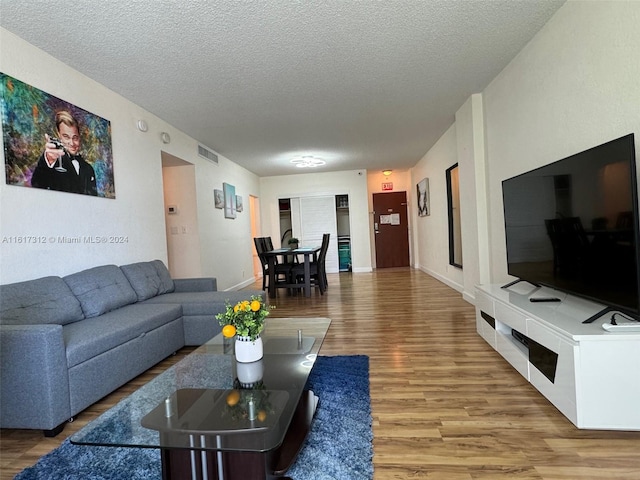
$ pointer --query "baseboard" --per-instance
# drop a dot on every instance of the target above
(362, 269)
(447, 281)
(238, 286)
(466, 296)
(469, 298)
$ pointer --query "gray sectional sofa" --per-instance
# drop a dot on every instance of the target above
(67, 342)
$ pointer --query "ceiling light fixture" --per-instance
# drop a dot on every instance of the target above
(387, 172)
(308, 161)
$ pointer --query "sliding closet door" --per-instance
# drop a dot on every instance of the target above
(318, 216)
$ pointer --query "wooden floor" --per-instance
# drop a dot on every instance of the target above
(445, 405)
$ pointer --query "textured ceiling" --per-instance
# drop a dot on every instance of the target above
(363, 84)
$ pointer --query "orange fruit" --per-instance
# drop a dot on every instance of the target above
(262, 416)
(228, 331)
(233, 398)
(255, 305)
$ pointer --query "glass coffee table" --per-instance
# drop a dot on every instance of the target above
(214, 418)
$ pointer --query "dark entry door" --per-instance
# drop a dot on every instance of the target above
(391, 228)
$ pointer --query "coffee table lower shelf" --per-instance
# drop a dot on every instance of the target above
(181, 464)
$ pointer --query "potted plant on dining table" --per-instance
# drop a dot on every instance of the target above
(245, 321)
(293, 243)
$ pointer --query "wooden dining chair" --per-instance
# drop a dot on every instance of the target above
(282, 270)
(317, 268)
(259, 244)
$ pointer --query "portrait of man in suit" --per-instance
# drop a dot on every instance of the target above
(51, 144)
(61, 166)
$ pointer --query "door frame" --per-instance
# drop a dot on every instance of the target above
(407, 217)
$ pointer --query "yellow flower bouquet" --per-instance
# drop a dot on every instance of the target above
(245, 318)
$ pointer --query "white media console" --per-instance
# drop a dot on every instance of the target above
(592, 376)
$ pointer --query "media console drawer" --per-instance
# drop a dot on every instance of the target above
(511, 317)
(514, 353)
(553, 369)
(485, 303)
(485, 321)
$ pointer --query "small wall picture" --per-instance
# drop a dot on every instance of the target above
(53, 144)
(229, 200)
(423, 197)
(238, 203)
(218, 197)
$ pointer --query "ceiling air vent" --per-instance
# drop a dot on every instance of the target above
(204, 152)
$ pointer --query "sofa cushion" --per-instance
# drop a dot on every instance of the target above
(148, 279)
(166, 283)
(203, 303)
(44, 300)
(101, 289)
(144, 278)
(93, 336)
(201, 284)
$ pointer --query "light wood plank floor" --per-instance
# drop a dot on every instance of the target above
(445, 405)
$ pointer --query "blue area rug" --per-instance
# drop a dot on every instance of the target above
(339, 446)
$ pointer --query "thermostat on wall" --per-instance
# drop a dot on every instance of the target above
(172, 209)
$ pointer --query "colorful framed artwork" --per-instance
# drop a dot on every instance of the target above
(52, 144)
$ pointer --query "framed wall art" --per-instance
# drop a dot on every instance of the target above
(423, 197)
(53, 144)
(218, 198)
(229, 200)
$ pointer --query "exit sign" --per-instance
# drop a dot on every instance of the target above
(387, 185)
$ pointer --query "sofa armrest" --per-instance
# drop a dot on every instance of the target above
(34, 382)
(204, 284)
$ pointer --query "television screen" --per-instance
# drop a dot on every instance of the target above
(573, 225)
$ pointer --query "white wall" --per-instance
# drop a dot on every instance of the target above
(432, 232)
(352, 183)
(183, 231)
(574, 86)
(470, 133)
(226, 245)
(137, 212)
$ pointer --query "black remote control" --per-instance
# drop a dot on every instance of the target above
(544, 299)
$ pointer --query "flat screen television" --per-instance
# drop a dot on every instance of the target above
(572, 225)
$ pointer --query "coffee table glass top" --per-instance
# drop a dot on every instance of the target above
(210, 401)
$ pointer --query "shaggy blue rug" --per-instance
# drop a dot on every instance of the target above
(339, 446)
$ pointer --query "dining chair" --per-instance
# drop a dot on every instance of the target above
(323, 255)
(282, 270)
(317, 268)
(259, 244)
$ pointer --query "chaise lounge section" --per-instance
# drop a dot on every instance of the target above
(67, 342)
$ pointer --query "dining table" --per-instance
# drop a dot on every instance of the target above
(310, 254)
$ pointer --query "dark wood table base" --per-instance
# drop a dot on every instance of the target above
(184, 464)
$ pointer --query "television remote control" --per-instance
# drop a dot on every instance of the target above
(544, 299)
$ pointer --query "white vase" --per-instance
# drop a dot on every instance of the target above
(249, 373)
(247, 350)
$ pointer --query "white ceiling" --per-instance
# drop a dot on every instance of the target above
(363, 84)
